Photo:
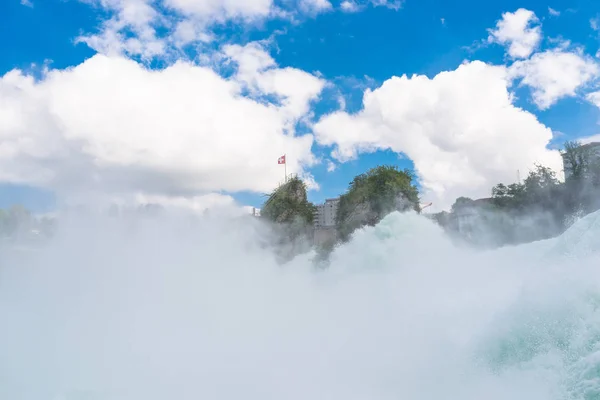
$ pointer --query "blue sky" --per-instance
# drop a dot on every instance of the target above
(350, 52)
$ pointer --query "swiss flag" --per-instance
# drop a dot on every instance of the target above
(281, 160)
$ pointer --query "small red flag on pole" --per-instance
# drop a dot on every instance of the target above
(281, 160)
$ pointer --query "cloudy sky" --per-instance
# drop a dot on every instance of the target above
(191, 102)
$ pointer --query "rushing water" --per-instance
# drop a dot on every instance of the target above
(166, 311)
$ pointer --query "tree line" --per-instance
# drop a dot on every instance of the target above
(369, 198)
(539, 207)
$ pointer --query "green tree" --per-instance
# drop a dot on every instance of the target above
(289, 204)
(582, 184)
(292, 216)
(576, 159)
(528, 211)
(373, 195)
(511, 197)
(541, 187)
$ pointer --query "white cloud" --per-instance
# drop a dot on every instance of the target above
(331, 166)
(256, 68)
(214, 203)
(27, 3)
(113, 125)
(594, 98)
(188, 31)
(519, 31)
(349, 6)
(589, 139)
(392, 4)
(553, 12)
(355, 6)
(137, 16)
(315, 6)
(595, 23)
(211, 202)
(133, 25)
(222, 10)
(555, 74)
(460, 129)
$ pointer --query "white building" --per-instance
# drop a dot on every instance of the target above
(326, 213)
(594, 152)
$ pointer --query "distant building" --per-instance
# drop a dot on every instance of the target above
(594, 153)
(326, 213)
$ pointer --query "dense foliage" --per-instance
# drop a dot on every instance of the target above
(582, 187)
(292, 216)
(541, 189)
(289, 203)
(373, 195)
(540, 207)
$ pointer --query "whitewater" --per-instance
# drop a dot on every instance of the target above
(166, 309)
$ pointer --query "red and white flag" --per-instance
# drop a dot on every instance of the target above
(281, 160)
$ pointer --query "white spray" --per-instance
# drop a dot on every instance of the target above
(164, 310)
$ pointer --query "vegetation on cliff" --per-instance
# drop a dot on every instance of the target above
(292, 217)
(373, 195)
(289, 204)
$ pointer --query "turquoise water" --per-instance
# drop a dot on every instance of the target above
(162, 310)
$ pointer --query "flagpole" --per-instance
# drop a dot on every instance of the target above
(285, 167)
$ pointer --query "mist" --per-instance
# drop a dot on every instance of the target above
(164, 308)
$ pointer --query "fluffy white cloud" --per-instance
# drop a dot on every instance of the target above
(594, 98)
(555, 74)
(589, 139)
(136, 16)
(553, 12)
(358, 5)
(349, 6)
(222, 10)
(215, 203)
(315, 6)
(393, 4)
(331, 166)
(257, 70)
(133, 25)
(112, 124)
(519, 31)
(460, 128)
